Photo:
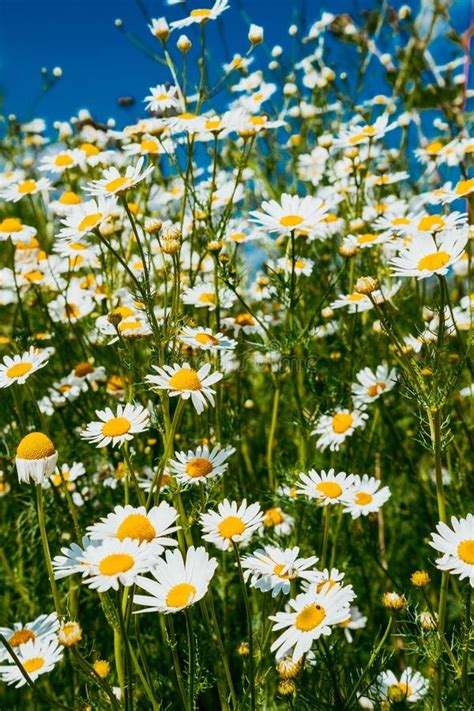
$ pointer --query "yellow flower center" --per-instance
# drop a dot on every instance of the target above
(69, 198)
(116, 563)
(464, 187)
(27, 186)
(130, 326)
(198, 467)
(432, 262)
(331, 489)
(180, 595)
(398, 692)
(341, 422)
(207, 297)
(400, 221)
(89, 149)
(18, 370)
(205, 338)
(90, 221)
(186, 116)
(289, 575)
(374, 389)
(362, 498)
(201, 13)
(231, 526)
(123, 311)
(63, 160)
(213, 124)
(273, 517)
(185, 379)
(136, 526)
(11, 224)
(116, 427)
(309, 618)
(366, 238)
(149, 146)
(33, 664)
(83, 369)
(117, 184)
(35, 446)
(434, 147)
(244, 320)
(291, 220)
(355, 297)
(466, 551)
(20, 637)
(429, 223)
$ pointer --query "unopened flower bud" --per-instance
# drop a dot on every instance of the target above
(70, 633)
(394, 601)
(365, 285)
(427, 620)
(243, 649)
(286, 687)
(171, 232)
(57, 72)
(170, 246)
(420, 578)
(184, 44)
(255, 34)
(101, 668)
(347, 250)
(160, 29)
(215, 246)
(288, 669)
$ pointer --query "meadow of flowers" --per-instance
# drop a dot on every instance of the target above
(236, 452)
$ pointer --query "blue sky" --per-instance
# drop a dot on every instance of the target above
(99, 64)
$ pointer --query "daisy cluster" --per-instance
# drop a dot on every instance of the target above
(235, 378)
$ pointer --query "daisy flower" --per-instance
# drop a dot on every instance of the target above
(312, 615)
(116, 562)
(411, 686)
(457, 546)
(370, 386)
(37, 657)
(276, 521)
(231, 523)
(117, 428)
(85, 218)
(204, 339)
(300, 266)
(325, 487)
(272, 568)
(19, 368)
(36, 458)
(201, 15)
(74, 559)
(334, 429)
(355, 301)
(185, 382)
(204, 296)
(114, 183)
(14, 228)
(292, 213)
(423, 258)
(161, 98)
(462, 189)
(42, 627)
(358, 134)
(179, 582)
(68, 474)
(64, 160)
(355, 621)
(365, 496)
(136, 524)
(201, 465)
(16, 191)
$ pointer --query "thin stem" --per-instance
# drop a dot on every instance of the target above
(46, 551)
(271, 437)
(248, 612)
(370, 663)
(327, 518)
(191, 657)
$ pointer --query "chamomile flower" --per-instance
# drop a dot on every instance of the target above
(410, 687)
(36, 458)
(201, 465)
(204, 296)
(178, 583)
(204, 339)
(75, 559)
(231, 523)
(312, 615)
(67, 474)
(116, 562)
(355, 621)
(161, 98)
(183, 381)
(292, 213)
(14, 228)
(365, 496)
(370, 386)
(363, 133)
(19, 368)
(300, 266)
(14, 192)
(117, 428)
(272, 568)
(277, 522)
(456, 543)
(325, 487)
(138, 524)
(42, 627)
(37, 657)
(423, 257)
(116, 183)
(85, 218)
(200, 15)
(64, 160)
(334, 429)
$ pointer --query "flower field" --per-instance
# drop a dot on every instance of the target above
(235, 376)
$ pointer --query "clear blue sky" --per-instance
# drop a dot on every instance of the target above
(99, 64)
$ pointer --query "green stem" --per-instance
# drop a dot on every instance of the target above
(46, 551)
(271, 437)
(248, 612)
(191, 657)
(370, 663)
